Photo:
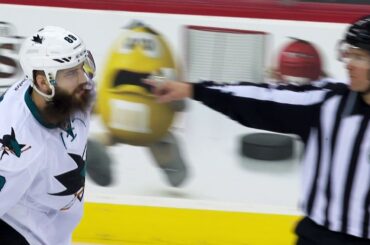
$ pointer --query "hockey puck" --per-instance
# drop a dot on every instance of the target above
(267, 146)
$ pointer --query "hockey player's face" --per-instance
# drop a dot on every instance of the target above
(71, 80)
(72, 93)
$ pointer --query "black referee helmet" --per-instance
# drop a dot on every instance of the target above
(358, 34)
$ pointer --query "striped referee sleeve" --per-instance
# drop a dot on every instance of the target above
(283, 109)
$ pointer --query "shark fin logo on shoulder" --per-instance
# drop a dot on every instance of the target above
(10, 145)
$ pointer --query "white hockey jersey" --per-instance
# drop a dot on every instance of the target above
(42, 169)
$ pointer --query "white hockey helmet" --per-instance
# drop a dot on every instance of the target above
(52, 49)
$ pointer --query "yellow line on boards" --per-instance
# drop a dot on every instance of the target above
(139, 225)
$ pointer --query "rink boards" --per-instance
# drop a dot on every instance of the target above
(131, 225)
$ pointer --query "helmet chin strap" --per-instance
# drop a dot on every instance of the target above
(47, 97)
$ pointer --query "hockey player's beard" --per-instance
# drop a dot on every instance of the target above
(63, 104)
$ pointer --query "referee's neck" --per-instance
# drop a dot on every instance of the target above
(366, 97)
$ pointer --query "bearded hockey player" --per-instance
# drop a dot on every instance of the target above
(43, 133)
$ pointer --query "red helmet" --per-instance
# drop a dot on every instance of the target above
(299, 62)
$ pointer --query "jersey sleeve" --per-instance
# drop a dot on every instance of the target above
(284, 109)
(19, 165)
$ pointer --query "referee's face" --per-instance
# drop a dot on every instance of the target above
(358, 65)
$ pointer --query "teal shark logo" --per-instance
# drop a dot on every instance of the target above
(74, 181)
(10, 145)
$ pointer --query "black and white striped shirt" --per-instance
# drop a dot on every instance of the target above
(332, 121)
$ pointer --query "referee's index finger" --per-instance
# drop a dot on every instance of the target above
(155, 86)
(151, 82)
